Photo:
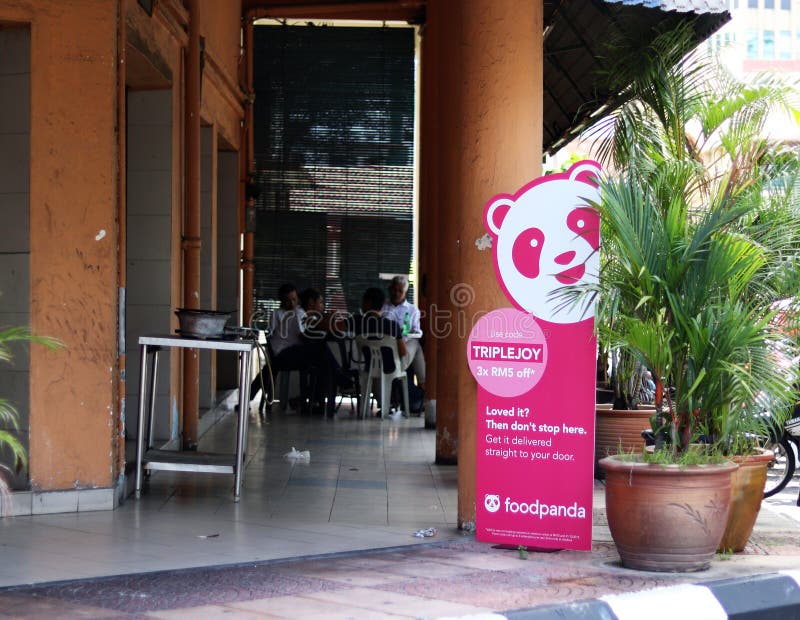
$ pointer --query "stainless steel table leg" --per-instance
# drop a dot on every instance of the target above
(151, 422)
(247, 365)
(244, 412)
(140, 432)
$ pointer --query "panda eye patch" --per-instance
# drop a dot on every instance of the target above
(527, 251)
(585, 222)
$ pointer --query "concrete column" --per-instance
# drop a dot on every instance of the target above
(488, 111)
(209, 138)
(122, 268)
(428, 211)
(72, 183)
(191, 229)
(248, 246)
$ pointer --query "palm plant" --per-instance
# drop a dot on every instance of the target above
(701, 233)
(626, 376)
(12, 453)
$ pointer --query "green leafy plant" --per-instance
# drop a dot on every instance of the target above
(627, 374)
(701, 236)
(12, 453)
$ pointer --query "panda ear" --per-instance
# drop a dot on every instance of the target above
(496, 212)
(586, 171)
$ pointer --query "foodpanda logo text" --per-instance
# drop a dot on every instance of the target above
(541, 510)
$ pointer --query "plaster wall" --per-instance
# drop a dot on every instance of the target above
(208, 285)
(227, 255)
(73, 240)
(158, 39)
(149, 243)
(161, 40)
(76, 256)
(15, 103)
(220, 25)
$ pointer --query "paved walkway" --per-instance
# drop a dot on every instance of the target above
(433, 580)
(452, 578)
(336, 554)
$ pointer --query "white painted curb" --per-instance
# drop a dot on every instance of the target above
(686, 601)
(793, 574)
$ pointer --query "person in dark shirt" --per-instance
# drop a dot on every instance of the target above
(317, 330)
(371, 323)
(318, 324)
(297, 342)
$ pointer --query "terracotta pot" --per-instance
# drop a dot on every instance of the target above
(747, 491)
(666, 517)
(617, 428)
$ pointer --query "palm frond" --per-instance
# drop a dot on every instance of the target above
(701, 234)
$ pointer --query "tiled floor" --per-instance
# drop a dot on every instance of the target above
(443, 579)
(368, 484)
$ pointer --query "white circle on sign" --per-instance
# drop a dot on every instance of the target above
(507, 352)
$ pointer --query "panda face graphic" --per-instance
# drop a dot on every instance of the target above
(545, 237)
(491, 502)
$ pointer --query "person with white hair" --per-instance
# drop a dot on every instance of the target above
(407, 316)
(647, 392)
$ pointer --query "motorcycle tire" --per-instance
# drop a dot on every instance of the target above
(781, 470)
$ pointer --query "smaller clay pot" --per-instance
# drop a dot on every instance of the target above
(747, 491)
(618, 429)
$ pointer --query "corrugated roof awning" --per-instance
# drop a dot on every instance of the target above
(580, 37)
(584, 40)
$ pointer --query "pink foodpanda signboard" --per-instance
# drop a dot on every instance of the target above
(535, 367)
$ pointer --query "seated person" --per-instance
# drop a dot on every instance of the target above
(317, 330)
(406, 315)
(287, 322)
(289, 347)
(647, 392)
(317, 321)
(285, 326)
(371, 322)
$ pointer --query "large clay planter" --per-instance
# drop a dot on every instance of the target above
(747, 491)
(618, 428)
(665, 517)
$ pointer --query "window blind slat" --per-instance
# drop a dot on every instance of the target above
(334, 133)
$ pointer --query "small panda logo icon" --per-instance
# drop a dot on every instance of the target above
(491, 502)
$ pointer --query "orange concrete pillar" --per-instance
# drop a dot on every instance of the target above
(122, 219)
(191, 228)
(248, 246)
(428, 211)
(488, 57)
(74, 240)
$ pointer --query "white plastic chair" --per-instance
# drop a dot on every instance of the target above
(378, 347)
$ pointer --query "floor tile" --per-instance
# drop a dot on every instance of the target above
(209, 612)
(22, 608)
(368, 484)
(301, 607)
(391, 602)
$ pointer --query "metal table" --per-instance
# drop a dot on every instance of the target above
(191, 461)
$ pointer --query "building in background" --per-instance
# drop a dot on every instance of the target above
(762, 36)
